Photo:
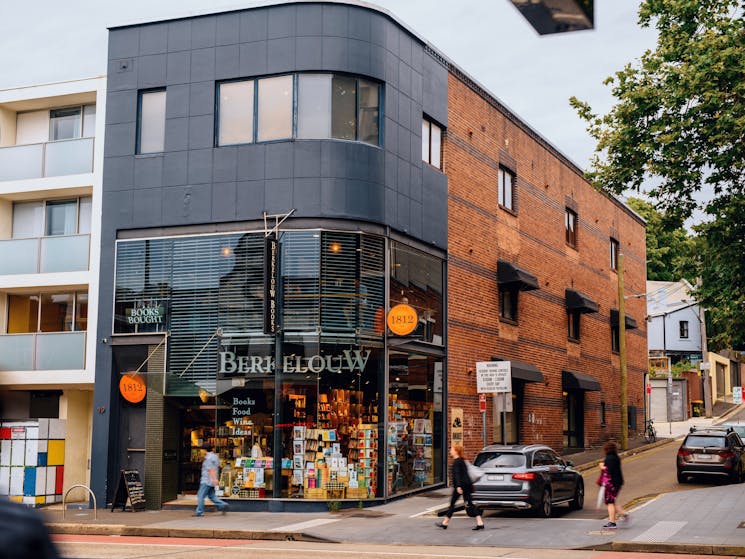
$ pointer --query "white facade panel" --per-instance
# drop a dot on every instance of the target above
(32, 127)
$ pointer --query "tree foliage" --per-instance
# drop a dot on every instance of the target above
(678, 125)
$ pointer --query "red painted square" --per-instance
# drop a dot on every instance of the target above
(59, 480)
(5, 433)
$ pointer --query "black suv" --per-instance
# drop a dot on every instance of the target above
(711, 451)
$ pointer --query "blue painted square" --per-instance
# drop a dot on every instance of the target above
(29, 482)
(41, 459)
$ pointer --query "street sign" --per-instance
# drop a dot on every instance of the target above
(704, 365)
(649, 388)
(493, 376)
(482, 403)
(737, 394)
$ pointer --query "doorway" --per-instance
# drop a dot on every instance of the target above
(574, 419)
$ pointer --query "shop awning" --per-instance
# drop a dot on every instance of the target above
(630, 322)
(576, 301)
(509, 274)
(572, 380)
(523, 371)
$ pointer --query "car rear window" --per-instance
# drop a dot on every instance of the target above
(499, 460)
(700, 441)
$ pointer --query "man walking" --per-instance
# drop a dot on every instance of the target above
(208, 482)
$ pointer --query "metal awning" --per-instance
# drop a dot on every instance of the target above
(509, 274)
(523, 371)
(576, 301)
(572, 380)
(630, 322)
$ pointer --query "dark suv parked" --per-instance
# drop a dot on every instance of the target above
(712, 452)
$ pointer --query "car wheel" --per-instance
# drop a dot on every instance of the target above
(681, 478)
(578, 502)
(544, 507)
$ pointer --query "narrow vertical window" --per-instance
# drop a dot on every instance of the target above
(573, 322)
(683, 329)
(236, 113)
(615, 337)
(344, 108)
(151, 122)
(314, 106)
(508, 303)
(65, 124)
(570, 222)
(369, 112)
(89, 121)
(431, 143)
(614, 254)
(505, 186)
(275, 109)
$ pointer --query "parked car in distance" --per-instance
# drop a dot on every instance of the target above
(714, 451)
(526, 477)
(737, 427)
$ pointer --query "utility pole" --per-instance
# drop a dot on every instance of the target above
(705, 363)
(622, 355)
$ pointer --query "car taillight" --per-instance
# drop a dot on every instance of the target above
(727, 454)
(527, 476)
(684, 452)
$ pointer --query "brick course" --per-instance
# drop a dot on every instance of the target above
(480, 136)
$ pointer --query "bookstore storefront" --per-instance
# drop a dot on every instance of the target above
(278, 354)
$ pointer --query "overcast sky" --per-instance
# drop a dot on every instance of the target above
(47, 41)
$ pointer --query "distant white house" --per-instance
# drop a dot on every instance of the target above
(674, 321)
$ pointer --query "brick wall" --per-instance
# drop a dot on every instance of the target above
(480, 135)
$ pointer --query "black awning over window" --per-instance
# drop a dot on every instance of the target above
(572, 380)
(630, 322)
(523, 371)
(576, 301)
(510, 275)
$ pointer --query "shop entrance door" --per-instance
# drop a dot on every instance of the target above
(574, 419)
(132, 437)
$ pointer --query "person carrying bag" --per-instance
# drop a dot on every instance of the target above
(462, 487)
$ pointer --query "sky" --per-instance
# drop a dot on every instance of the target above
(489, 39)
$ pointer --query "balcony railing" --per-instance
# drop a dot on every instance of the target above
(42, 351)
(50, 159)
(64, 253)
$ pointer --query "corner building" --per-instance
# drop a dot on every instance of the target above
(276, 179)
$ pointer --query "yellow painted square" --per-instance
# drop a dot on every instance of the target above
(56, 453)
(41, 500)
(16, 498)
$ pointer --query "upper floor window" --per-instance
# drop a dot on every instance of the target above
(305, 106)
(151, 121)
(508, 296)
(47, 312)
(68, 123)
(570, 224)
(51, 217)
(506, 185)
(614, 247)
(573, 323)
(683, 325)
(431, 143)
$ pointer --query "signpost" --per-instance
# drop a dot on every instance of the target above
(496, 377)
(737, 395)
(482, 409)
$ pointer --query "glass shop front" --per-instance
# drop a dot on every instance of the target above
(278, 354)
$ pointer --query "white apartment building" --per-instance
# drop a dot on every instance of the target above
(51, 158)
(674, 318)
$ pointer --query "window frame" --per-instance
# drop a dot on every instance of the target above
(571, 218)
(138, 140)
(513, 294)
(78, 200)
(683, 329)
(74, 305)
(502, 173)
(430, 123)
(615, 337)
(573, 325)
(615, 248)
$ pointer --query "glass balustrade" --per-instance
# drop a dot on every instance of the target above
(67, 253)
(50, 159)
(43, 351)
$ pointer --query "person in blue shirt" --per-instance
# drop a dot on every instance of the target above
(208, 482)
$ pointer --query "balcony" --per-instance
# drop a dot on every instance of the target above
(42, 351)
(64, 253)
(50, 159)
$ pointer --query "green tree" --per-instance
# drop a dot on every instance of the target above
(669, 249)
(678, 125)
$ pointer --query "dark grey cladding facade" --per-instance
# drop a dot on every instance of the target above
(195, 183)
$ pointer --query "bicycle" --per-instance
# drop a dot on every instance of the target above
(650, 434)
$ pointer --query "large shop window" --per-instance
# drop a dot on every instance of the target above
(47, 312)
(320, 105)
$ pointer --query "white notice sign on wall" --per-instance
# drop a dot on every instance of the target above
(493, 376)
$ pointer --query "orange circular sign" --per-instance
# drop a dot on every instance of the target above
(402, 319)
(132, 388)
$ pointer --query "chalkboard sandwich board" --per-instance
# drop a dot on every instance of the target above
(129, 491)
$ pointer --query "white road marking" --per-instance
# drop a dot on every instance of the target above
(430, 510)
(661, 531)
(305, 525)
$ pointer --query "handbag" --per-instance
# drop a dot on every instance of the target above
(601, 497)
(474, 472)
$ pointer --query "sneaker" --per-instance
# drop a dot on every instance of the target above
(225, 510)
(625, 520)
(198, 515)
(610, 526)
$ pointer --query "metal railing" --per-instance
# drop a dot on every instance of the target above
(43, 351)
(59, 253)
(88, 489)
(48, 159)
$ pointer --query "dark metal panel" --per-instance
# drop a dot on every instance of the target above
(576, 301)
(572, 380)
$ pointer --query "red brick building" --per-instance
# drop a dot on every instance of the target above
(526, 285)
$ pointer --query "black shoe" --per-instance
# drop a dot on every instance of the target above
(478, 527)
(225, 510)
(441, 525)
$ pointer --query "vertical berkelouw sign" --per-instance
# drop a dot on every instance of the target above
(271, 271)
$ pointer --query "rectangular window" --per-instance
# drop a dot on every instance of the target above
(570, 222)
(56, 312)
(615, 337)
(573, 322)
(505, 185)
(53, 217)
(602, 414)
(508, 304)
(236, 114)
(47, 312)
(89, 121)
(431, 143)
(61, 217)
(151, 122)
(84, 215)
(314, 106)
(613, 254)
(28, 220)
(275, 109)
(683, 329)
(344, 108)
(369, 112)
(65, 124)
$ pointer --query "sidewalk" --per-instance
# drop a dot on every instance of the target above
(704, 520)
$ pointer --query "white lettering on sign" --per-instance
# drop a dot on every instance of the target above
(152, 314)
(493, 376)
(348, 360)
